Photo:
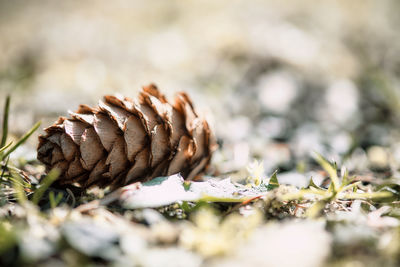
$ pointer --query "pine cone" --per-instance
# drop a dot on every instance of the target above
(123, 141)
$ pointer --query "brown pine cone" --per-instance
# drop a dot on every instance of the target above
(123, 141)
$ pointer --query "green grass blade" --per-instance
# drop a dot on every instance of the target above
(18, 186)
(312, 184)
(5, 122)
(22, 140)
(373, 195)
(55, 200)
(351, 186)
(52, 200)
(5, 147)
(44, 185)
(4, 166)
(332, 172)
(20, 181)
(346, 180)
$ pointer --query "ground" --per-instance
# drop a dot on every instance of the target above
(303, 99)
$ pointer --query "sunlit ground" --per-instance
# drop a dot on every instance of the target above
(277, 82)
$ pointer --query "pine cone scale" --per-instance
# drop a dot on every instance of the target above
(177, 126)
(85, 118)
(117, 114)
(184, 152)
(91, 149)
(68, 147)
(57, 155)
(97, 172)
(75, 168)
(135, 137)
(106, 130)
(117, 159)
(159, 145)
(74, 129)
(139, 167)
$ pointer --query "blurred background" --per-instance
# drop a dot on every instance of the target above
(277, 81)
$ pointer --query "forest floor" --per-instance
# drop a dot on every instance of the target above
(304, 101)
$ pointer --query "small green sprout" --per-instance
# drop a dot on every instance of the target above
(343, 188)
(273, 182)
(55, 199)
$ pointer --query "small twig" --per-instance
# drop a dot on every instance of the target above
(72, 196)
(250, 200)
(297, 208)
(88, 206)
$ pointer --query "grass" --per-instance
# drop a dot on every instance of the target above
(5, 122)
(44, 185)
(339, 189)
(13, 183)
